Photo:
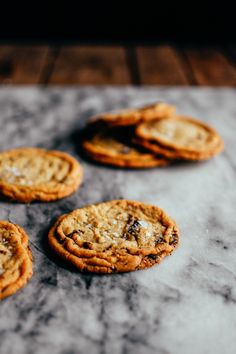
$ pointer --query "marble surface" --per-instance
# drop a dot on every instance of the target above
(185, 305)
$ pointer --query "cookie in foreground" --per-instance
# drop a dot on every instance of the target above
(15, 259)
(115, 236)
(179, 137)
(112, 146)
(28, 174)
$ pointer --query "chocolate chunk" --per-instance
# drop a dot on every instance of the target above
(71, 234)
(134, 228)
(153, 256)
(87, 245)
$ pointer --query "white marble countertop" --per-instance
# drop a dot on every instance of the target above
(187, 304)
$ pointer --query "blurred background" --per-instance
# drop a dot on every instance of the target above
(145, 43)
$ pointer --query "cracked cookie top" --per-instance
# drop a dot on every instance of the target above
(31, 173)
(180, 132)
(15, 258)
(114, 230)
(9, 248)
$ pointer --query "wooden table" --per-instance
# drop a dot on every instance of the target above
(117, 65)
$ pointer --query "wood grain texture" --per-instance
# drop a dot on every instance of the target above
(132, 62)
(210, 67)
(91, 65)
(105, 65)
(161, 66)
(49, 64)
(21, 64)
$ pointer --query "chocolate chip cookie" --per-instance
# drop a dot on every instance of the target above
(15, 259)
(113, 146)
(28, 174)
(115, 236)
(179, 137)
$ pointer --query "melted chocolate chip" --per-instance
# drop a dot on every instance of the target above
(87, 245)
(70, 235)
(173, 239)
(159, 240)
(153, 256)
(134, 228)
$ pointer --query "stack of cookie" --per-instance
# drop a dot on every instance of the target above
(149, 136)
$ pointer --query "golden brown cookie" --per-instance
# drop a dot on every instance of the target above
(116, 236)
(179, 137)
(135, 115)
(112, 146)
(15, 259)
(28, 174)
(174, 154)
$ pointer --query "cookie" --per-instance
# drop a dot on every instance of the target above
(179, 137)
(115, 236)
(28, 174)
(113, 146)
(15, 259)
(173, 154)
(133, 116)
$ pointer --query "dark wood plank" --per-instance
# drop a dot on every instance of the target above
(21, 64)
(161, 65)
(48, 67)
(91, 65)
(210, 67)
(132, 62)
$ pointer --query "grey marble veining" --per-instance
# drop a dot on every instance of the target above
(185, 305)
